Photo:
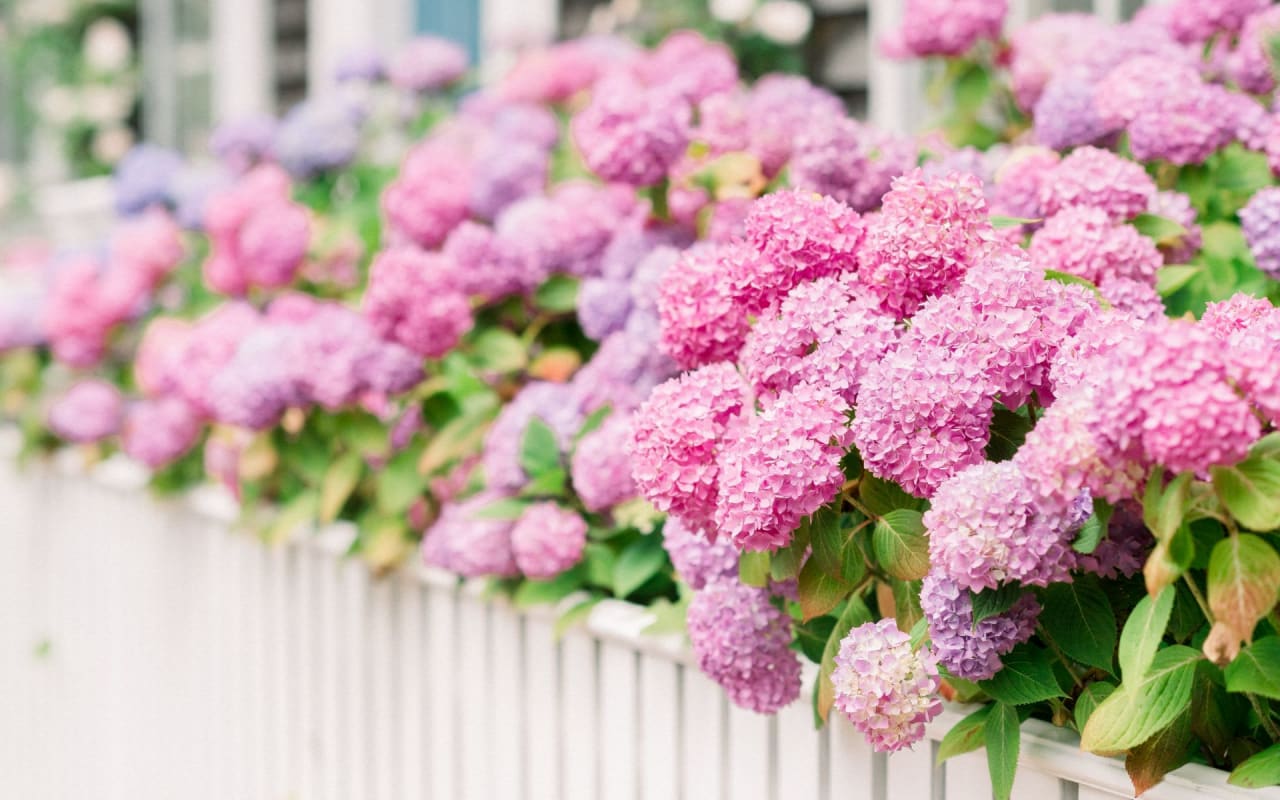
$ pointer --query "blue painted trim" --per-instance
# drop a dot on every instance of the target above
(458, 20)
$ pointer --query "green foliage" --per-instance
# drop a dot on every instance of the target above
(1003, 736)
(1027, 677)
(1262, 769)
(900, 545)
(637, 564)
(1142, 633)
(1144, 704)
(965, 736)
(1256, 669)
(1077, 616)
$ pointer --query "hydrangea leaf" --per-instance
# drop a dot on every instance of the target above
(965, 736)
(1003, 737)
(535, 593)
(1094, 528)
(399, 483)
(637, 563)
(1142, 634)
(1260, 769)
(540, 450)
(506, 508)
(559, 294)
(1173, 277)
(1243, 585)
(819, 592)
(1164, 506)
(1027, 677)
(498, 350)
(1160, 229)
(881, 496)
(753, 568)
(900, 544)
(1090, 699)
(1141, 708)
(1250, 490)
(340, 480)
(1079, 618)
(1257, 669)
(1149, 762)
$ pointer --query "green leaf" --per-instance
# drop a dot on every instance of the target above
(855, 614)
(965, 736)
(540, 449)
(1078, 617)
(458, 437)
(1094, 528)
(827, 540)
(1257, 669)
(668, 617)
(900, 545)
(972, 89)
(340, 480)
(1163, 507)
(1243, 584)
(906, 603)
(753, 568)
(498, 350)
(819, 592)
(881, 496)
(1162, 230)
(1141, 708)
(1149, 762)
(559, 294)
(1000, 221)
(1009, 430)
(1027, 677)
(1172, 278)
(1260, 769)
(1003, 736)
(1071, 280)
(299, 511)
(812, 637)
(506, 508)
(990, 602)
(593, 422)
(1169, 559)
(578, 613)
(551, 483)
(1090, 699)
(639, 562)
(399, 483)
(599, 561)
(785, 563)
(1250, 490)
(1142, 634)
(533, 593)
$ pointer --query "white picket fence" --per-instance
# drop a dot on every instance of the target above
(150, 651)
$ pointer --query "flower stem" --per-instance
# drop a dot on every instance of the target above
(1057, 651)
(1264, 716)
(1200, 601)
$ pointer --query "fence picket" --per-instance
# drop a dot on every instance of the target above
(541, 700)
(443, 695)
(660, 751)
(579, 710)
(750, 756)
(506, 720)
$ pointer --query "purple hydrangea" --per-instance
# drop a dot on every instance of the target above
(1066, 116)
(427, 64)
(698, 560)
(1195, 21)
(1260, 221)
(848, 160)
(780, 466)
(887, 690)
(242, 142)
(317, 136)
(260, 381)
(678, 434)
(143, 177)
(465, 541)
(1124, 549)
(364, 64)
(686, 65)
(968, 650)
(488, 265)
(603, 307)
(779, 106)
(624, 370)
(507, 170)
(742, 642)
(555, 404)
(87, 412)
(547, 540)
(601, 465)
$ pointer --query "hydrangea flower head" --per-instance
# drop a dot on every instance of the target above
(427, 64)
(1177, 206)
(847, 160)
(87, 412)
(1065, 114)
(601, 465)
(1251, 64)
(1084, 241)
(430, 196)
(1101, 179)
(1199, 20)
(258, 235)
(688, 66)
(742, 642)
(703, 319)
(317, 136)
(677, 438)
(547, 540)
(1017, 182)
(159, 432)
(972, 651)
(464, 541)
(143, 177)
(631, 134)
(698, 560)
(554, 404)
(779, 106)
(804, 236)
(947, 27)
(413, 299)
(887, 690)
(1043, 46)
(242, 143)
(1260, 221)
(780, 466)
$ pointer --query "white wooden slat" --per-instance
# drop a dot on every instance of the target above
(619, 722)
(912, 773)
(354, 761)
(579, 710)
(330, 675)
(1030, 782)
(381, 680)
(852, 765)
(308, 619)
(1089, 793)
(968, 776)
(659, 718)
(506, 720)
(442, 698)
(278, 630)
(409, 691)
(474, 687)
(257, 713)
(799, 750)
(542, 709)
(750, 754)
(704, 714)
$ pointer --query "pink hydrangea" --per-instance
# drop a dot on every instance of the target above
(258, 236)
(687, 65)
(1097, 178)
(822, 334)
(601, 466)
(848, 160)
(779, 106)
(929, 233)
(557, 73)
(1195, 21)
(1040, 48)
(1187, 128)
(780, 466)
(413, 298)
(547, 540)
(742, 642)
(148, 246)
(1251, 64)
(886, 689)
(1065, 115)
(946, 27)
(988, 525)
(430, 196)
(802, 236)
(159, 432)
(465, 541)
(698, 560)
(78, 315)
(1141, 84)
(1138, 299)
(570, 230)
(703, 319)
(1016, 192)
(89, 411)
(212, 343)
(427, 64)
(678, 435)
(488, 265)
(630, 134)
(1084, 241)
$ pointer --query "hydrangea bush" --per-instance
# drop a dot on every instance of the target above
(984, 416)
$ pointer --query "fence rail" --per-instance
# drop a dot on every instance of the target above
(148, 650)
